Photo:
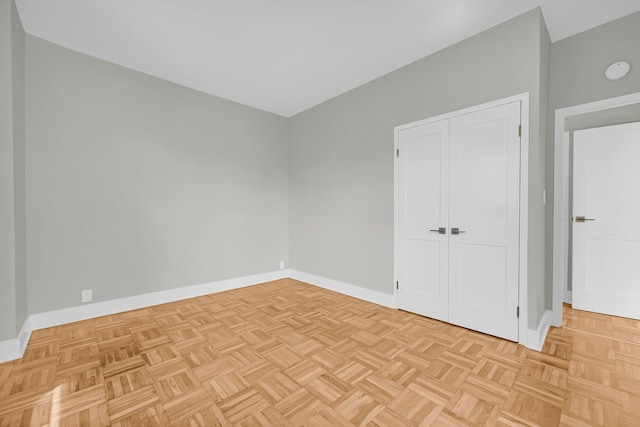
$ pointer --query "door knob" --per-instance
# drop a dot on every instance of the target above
(441, 230)
(583, 219)
(456, 231)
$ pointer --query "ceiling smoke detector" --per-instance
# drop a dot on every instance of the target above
(617, 70)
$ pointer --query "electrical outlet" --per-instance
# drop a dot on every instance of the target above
(87, 295)
(281, 265)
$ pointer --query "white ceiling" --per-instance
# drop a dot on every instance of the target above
(285, 56)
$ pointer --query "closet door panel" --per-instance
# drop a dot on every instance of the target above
(423, 210)
(484, 206)
(476, 258)
(481, 155)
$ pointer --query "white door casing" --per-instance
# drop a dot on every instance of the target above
(606, 246)
(469, 179)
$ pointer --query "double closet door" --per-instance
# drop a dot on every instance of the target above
(458, 219)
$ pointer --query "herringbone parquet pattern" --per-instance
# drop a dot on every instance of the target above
(287, 354)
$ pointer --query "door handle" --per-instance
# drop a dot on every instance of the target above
(441, 230)
(455, 231)
(583, 219)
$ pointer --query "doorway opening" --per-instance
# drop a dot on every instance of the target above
(605, 112)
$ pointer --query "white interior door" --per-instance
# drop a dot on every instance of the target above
(422, 220)
(485, 207)
(606, 244)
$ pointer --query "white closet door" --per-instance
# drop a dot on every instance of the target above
(484, 206)
(423, 210)
(606, 246)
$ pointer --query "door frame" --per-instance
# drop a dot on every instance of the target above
(524, 198)
(561, 220)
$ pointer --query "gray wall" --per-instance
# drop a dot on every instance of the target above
(18, 101)
(578, 63)
(137, 185)
(7, 224)
(12, 240)
(341, 152)
(540, 236)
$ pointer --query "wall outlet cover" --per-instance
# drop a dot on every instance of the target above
(281, 265)
(87, 295)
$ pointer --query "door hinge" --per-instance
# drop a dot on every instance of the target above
(397, 285)
(520, 131)
(397, 152)
(518, 312)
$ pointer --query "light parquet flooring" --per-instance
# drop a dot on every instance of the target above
(287, 353)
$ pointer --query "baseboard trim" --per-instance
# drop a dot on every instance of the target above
(10, 350)
(105, 308)
(568, 296)
(359, 292)
(24, 335)
(14, 348)
(537, 336)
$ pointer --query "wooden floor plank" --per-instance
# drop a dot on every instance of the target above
(286, 353)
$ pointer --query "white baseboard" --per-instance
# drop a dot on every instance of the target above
(14, 348)
(105, 308)
(9, 350)
(568, 296)
(359, 292)
(537, 336)
(25, 334)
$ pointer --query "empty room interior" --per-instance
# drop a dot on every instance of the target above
(320, 213)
